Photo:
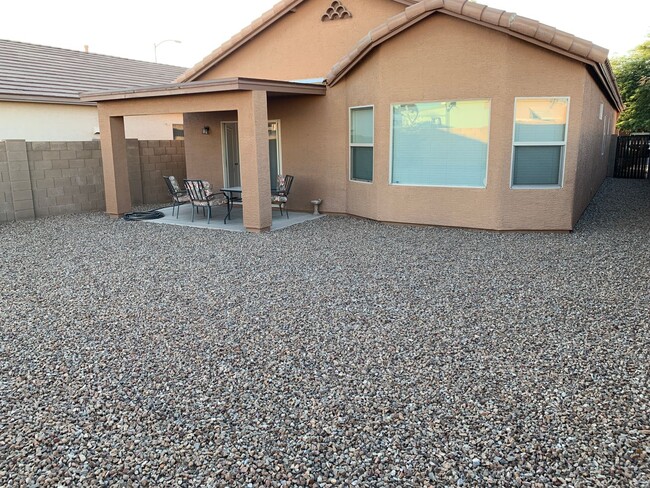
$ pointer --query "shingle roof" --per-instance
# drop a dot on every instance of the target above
(508, 22)
(242, 37)
(31, 72)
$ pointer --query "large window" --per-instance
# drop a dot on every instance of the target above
(362, 139)
(539, 142)
(440, 143)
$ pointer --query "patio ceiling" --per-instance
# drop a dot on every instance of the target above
(273, 88)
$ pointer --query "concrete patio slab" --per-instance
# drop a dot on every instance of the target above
(236, 224)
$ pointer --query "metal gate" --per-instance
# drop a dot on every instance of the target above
(632, 157)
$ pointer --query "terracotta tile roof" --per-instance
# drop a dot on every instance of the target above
(511, 23)
(31, 72)
(242, 37)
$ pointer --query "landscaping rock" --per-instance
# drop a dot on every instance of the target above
(336, 352)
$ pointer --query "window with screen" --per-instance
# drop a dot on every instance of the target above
(539, 142)
(362, 141)
(440, 143)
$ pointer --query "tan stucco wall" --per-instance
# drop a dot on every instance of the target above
(68, 123)
(152, 127)
(300, 45)
(440, 58)
(468, 62)
(204, 153)
(314, 149)
(47, 122)
(593, 155)
(315, 177)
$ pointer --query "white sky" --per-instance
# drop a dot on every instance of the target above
(130, 28)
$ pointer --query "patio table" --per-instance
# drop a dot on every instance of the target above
(230, 191)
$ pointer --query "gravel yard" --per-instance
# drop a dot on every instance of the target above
(334, 353)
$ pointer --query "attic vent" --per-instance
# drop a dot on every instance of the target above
(336, 11)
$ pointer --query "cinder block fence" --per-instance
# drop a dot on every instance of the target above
(39, 179)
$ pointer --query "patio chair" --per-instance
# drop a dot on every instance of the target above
(201, 197)
(179, 196)
(280, 197)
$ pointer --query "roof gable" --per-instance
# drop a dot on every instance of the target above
(510, 23)
(247, 34)
(31, 72)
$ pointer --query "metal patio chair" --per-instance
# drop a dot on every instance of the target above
(280, 197)
(178, 195)
(201, 197)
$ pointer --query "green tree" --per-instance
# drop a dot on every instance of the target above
(633, 76)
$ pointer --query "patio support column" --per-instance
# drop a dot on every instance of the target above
(114, 162)
(254, 162)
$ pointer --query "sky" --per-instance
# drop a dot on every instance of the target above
(130, 29)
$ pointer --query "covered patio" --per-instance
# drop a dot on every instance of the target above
(205, 105)
(234, 224)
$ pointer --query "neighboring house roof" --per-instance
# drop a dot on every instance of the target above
(524, 28)
(35, 73)
(238, 40)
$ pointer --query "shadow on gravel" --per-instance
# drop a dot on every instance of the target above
(620, 205)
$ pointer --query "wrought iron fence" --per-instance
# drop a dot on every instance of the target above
(632, 157)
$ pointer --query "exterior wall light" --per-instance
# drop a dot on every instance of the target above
(206, 130)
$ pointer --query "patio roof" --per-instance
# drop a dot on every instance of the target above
(274, 88)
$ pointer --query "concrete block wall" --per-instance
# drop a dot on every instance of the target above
(66, 177)
(135, 170)
(158, 159)
(17, 202)
(6, 200)
(39, 179)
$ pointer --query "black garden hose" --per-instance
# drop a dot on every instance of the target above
(149, 215)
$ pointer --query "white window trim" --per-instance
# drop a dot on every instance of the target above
(279, 139)
(360, 144)
(390, 146)
(224, 168)
(562, 144)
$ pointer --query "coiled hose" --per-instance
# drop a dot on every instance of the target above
(149, 215)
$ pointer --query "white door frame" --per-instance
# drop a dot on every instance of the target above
(279, 139)
(224, 152)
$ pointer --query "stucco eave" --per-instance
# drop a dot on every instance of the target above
(273, 87)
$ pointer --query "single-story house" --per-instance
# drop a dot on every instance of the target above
(438, 112)
(40, 88)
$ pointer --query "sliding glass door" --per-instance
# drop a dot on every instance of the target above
(230, 144)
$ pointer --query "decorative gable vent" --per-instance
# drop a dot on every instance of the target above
(335, 12)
